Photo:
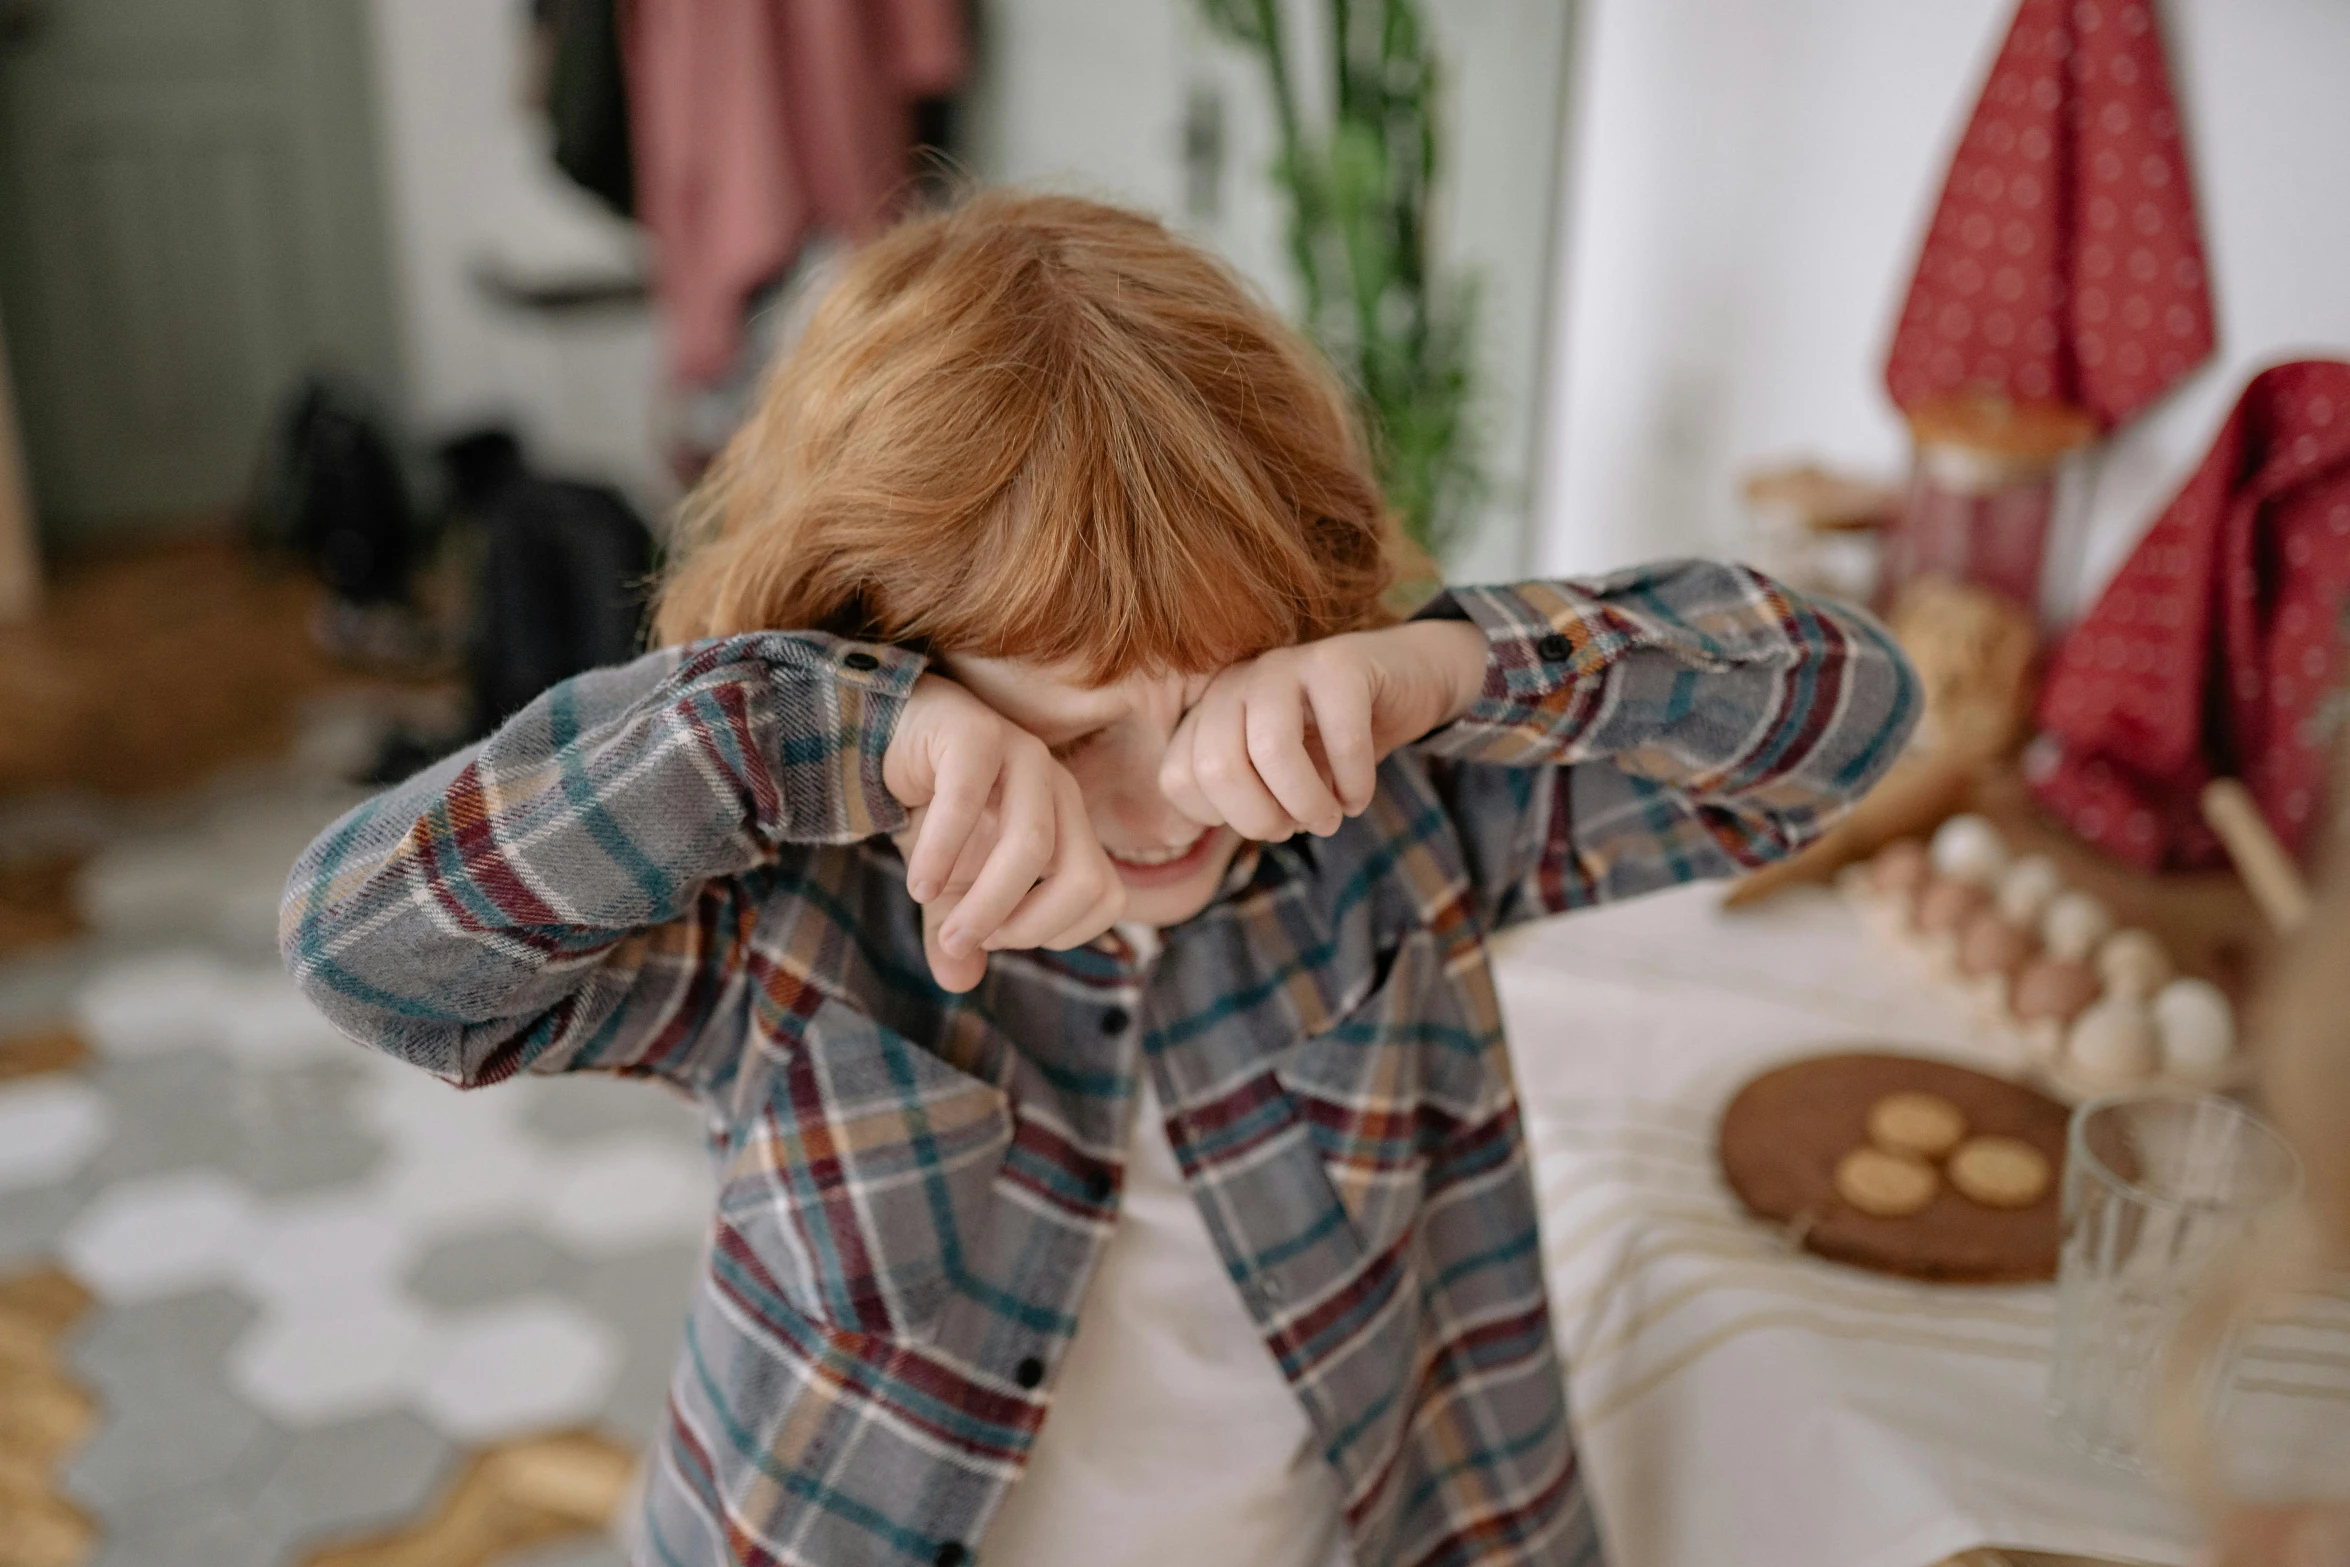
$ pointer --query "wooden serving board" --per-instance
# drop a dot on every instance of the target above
(1783, 1133)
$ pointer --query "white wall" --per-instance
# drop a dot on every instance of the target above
(469, 182)
(1082, 95)
(1747, 187)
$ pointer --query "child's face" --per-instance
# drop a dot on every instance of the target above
(1112, 739)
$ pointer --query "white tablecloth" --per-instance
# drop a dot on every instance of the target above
(1741, 1404)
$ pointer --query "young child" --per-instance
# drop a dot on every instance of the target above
(1065, 885)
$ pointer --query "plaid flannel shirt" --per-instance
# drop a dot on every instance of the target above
(678, 869)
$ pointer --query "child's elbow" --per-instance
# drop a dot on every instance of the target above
(1869, 701)
(1879, 701)
(314, 930)
(302, 917)
(330, 992)
(1887, 701)
(377, 1021)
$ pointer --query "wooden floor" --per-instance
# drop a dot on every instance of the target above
(36, 904)
(148, 669)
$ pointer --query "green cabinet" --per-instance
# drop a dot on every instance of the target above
(190, 219)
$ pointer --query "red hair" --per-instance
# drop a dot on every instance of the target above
(1043, 428)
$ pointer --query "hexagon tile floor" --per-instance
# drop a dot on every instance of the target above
(267, 1300)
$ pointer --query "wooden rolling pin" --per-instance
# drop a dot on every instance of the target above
(2269, 873)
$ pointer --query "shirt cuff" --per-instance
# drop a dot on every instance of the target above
(875, 679)
(835, 705)
(1539, 642)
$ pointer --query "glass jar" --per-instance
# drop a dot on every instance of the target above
(1983, 492)
(1819, 531)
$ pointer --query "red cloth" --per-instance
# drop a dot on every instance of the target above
(2064, 260)
(756, 121)
(2215, 648)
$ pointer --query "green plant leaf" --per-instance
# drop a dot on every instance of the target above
(1400, 330)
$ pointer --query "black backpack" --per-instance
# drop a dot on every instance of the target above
(565, 568)
(333, 495)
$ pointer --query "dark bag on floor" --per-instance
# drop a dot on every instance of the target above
(333, 495)
(564, 575)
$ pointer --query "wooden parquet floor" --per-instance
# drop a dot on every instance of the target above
(149, 668)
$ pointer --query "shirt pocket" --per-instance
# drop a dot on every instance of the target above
(1359, 1085)
(862, 1182)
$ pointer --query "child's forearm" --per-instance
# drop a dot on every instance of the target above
(1703, 717)
(1710, 676)
(503, 906)
(1456, 653)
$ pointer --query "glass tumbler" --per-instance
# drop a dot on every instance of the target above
(2156, 1186)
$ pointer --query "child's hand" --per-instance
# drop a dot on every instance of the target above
(998, 850)
(1291, 742)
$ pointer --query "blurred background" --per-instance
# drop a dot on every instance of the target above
(358, 350)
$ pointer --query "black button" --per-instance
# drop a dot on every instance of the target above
(1115, 1020)
(951, 1554)
(868, 661)
(1097, 1186)
(1555, 648)
(1029, 1372)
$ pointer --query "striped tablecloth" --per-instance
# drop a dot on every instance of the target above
(1741, 1404)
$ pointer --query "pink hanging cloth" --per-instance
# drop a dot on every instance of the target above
(2064, 262)
(758, 122)
(2217, 650)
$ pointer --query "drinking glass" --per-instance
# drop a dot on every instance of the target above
(2156, 1186)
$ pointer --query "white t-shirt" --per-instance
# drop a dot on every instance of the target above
(1173, 1440)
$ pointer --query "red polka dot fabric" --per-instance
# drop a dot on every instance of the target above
(2218, 649)
(2065, 260)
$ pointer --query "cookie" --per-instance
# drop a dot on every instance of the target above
(1927, 1125)
(1887, 1185)
(1999, 1172)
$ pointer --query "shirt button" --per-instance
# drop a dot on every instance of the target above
(1029, 1372)
(1115, 1020)
(1268, 1289)
(1097, 1186)
(868, 661)
(951, 1554)
(1555, 648)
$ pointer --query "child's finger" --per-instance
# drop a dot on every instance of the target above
(1093, 921)
(1341, 704)
(966, 777)
(909, 835)
(1053, 906)
(1275, 723)
(972, 858)
(1220, 760)
(1077, 879)
(1179, 780)
(953, 971)
(1024, 845)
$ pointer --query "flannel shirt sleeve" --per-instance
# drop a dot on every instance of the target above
(1682, 720)
(577, 891)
